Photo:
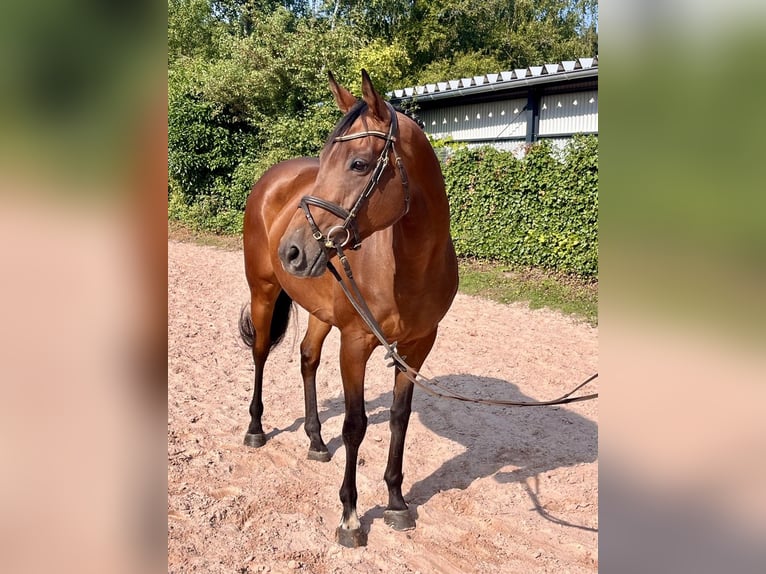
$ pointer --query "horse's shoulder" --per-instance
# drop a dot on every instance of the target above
(284, 179)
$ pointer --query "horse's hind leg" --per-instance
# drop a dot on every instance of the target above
(268, 320)
(397, 514)
(311, 350)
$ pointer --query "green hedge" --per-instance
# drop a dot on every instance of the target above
(540, 211)
(207, 148)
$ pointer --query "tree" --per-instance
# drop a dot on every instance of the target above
(192, 29)
(510, 34)
(387, 63)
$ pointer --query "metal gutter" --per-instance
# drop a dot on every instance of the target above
(496, 86)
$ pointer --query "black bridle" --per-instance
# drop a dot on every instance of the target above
(348, 231)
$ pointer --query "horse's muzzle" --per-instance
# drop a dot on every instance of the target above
(300, 257)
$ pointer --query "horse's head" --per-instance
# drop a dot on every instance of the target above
(360, 188)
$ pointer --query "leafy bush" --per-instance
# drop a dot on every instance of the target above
(539, 211)
(243, 104)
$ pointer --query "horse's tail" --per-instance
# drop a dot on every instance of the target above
(279, 321)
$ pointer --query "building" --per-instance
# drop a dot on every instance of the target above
(510, 109)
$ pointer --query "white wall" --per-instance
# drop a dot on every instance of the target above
(559, 114)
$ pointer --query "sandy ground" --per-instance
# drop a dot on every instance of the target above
(493, 489)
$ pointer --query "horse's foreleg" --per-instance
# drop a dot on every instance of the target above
(355, 350)
(397, 514)
(311, 350)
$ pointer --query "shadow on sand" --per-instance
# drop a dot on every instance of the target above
(534, 440)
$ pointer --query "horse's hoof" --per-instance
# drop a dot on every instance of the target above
(321, 456)
(255, 440)
(399, 519)
(351, 538)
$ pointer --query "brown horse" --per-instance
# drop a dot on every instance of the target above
(377, 189)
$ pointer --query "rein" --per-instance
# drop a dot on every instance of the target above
(354, 295)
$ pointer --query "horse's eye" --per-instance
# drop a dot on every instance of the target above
(359, 165)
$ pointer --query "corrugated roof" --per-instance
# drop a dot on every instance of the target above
(567, 69)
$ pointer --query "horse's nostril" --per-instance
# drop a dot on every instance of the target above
(293, 253)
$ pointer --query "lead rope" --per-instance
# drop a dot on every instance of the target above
(398, 362)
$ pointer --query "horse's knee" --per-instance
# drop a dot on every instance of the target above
(310, 357)
(354, 428)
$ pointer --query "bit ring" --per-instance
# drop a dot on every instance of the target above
(331, 242)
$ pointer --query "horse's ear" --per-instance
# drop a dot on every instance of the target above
(343, 97)
(376, 104)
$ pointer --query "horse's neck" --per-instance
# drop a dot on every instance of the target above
(424, 230)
